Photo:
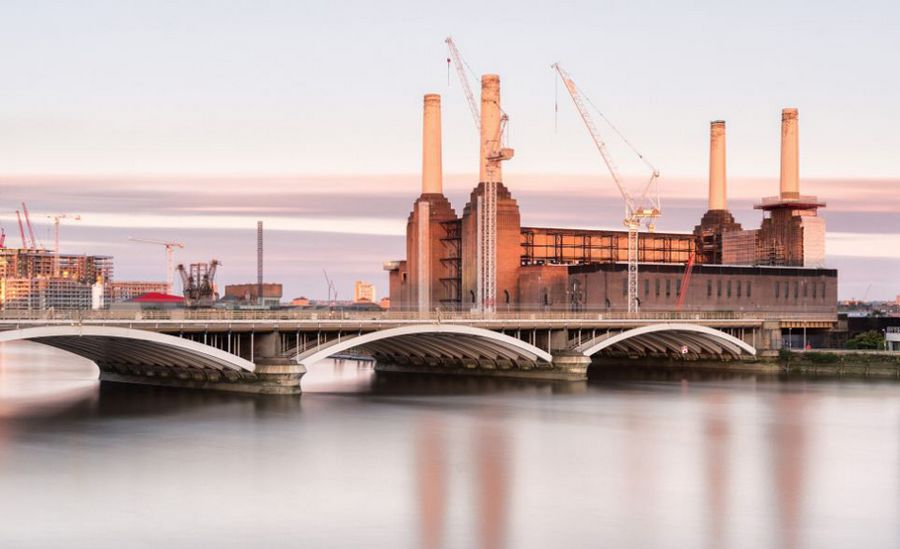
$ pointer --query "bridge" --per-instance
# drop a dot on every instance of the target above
(269, 351)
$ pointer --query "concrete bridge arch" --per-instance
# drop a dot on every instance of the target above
(438, 344)
(668, 338)
(120, 349)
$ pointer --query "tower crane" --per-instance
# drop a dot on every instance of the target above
(461, 66)
(21, 230)
(643, 208)
(56, 220)
(34, 242)
(494, 149)
(170, 250)
(332, 291)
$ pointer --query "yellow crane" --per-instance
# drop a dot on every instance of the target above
(644, 207)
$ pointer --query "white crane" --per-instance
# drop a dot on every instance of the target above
(495, 151)
(56, 219)
(332, 291)
(644, 207)
(461, 66)
(170, 264)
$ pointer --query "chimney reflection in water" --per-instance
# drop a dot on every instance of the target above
(490, 488)
(432, 481)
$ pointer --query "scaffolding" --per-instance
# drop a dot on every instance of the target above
(549, 246)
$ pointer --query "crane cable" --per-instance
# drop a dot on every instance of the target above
(616, 130)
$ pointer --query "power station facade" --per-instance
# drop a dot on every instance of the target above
(483, 259)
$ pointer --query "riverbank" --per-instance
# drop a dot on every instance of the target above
(818, 363)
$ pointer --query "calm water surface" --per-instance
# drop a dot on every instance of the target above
(365, 460)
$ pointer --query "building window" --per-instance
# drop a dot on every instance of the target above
(777, 290)
(656, 283)
(506, 296)
(728, 288)
(815, 290)
(668, 287)
(823, 290)
(646, 287)
(718, 288)
(739, 289)
(678, 287)
(709, 288)
(546, 298)
(796, 290)
(749, 288)
(787, 290)
(625, 286)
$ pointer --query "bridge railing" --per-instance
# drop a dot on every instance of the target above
(392, 316)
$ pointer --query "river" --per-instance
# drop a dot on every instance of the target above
(628, 459)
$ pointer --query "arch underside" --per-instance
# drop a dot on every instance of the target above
(436, 345)
(670, 340)
(127, 351)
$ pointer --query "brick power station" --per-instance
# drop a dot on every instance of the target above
(778, 267)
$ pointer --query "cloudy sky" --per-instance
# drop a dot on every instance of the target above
(191, 120)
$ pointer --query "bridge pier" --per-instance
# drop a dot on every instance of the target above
(566, 366)
(273, 376)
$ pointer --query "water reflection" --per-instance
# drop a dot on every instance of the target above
(432, 473)
(630, 459)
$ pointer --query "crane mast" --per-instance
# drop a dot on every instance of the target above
(56, 220)
(494, 151)
(644, 208)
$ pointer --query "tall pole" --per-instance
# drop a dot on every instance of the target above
(259, 262)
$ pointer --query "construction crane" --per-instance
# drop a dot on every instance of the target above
(56, 220)
(34, 243)
(643, 208)
(685, 281)
(461, 67)
(21, 230)
(495, 151)
(170, 265)
(332, 291)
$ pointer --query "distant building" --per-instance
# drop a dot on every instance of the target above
(35, 294)
(248, 294)
(30, 279)
(385, 303)
(300, 302)
(363, 292)
(126, 290)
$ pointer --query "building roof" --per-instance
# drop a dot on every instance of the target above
(156, 297)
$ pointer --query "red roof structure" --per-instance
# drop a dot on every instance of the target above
(156, 297)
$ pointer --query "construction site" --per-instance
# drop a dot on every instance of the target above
(485, 260)
(35, 278)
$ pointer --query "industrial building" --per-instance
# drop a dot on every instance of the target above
(248, 295)
(483, 259)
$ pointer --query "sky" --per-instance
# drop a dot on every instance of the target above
(191, 120)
